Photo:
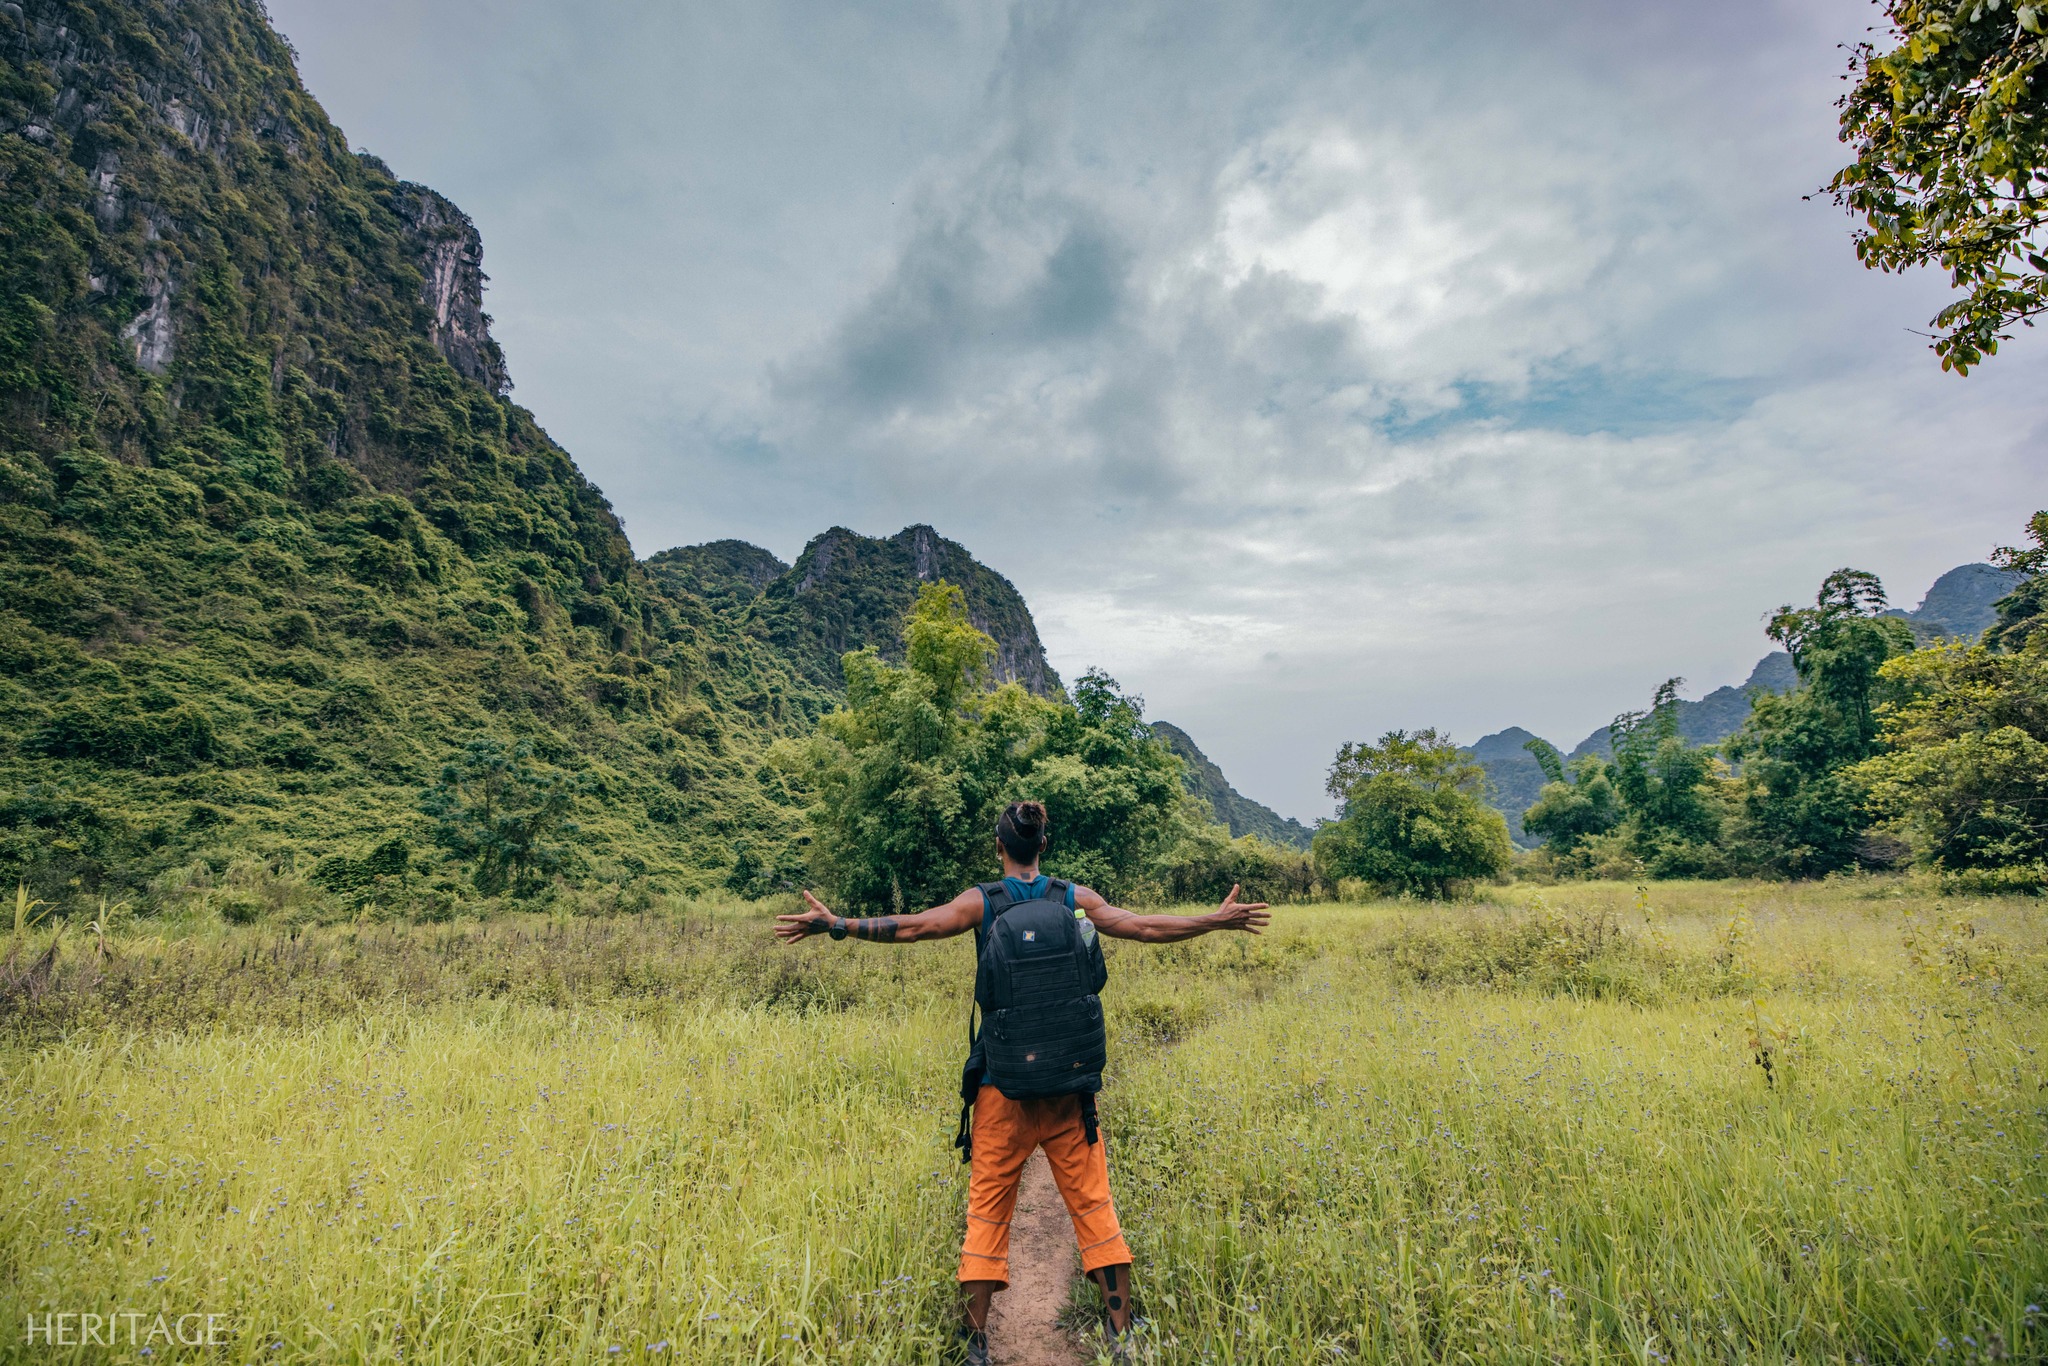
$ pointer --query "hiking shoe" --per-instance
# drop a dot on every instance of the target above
(977, 1349)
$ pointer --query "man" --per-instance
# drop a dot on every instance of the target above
(1007, 1130)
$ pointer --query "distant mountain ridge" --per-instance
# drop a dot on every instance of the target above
(1243, 815)
(848, 591)
(1959, 605)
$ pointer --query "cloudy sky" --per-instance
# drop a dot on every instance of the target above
(1316, 369)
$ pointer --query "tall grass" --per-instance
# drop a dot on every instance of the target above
(1366, 1168)
(538, 1140)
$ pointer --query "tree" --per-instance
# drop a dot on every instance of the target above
(908, 777)
(1411, 817)
(1965, 773)
(1963, 769)
(1666, 789)
(496, 810)
(1111, 786)
(2022, 612)
(1576, 804)
(1948, 129)
(902, 806)
(1802, 809)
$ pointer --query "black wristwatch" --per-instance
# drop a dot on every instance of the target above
(837, 929)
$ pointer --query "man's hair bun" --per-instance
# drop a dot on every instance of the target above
(1023, 830)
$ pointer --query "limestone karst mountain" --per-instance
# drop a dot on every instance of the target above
(1240, 813)
(276, 543)
(846, 591)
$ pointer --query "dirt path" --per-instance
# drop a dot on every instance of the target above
(1024, 1329)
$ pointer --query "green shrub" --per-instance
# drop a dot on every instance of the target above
(1207, 863)
(118, 734)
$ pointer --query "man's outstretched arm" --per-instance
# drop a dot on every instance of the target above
(957, 916)
(1118, 923)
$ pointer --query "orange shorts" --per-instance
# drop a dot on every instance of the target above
(1005, 1132)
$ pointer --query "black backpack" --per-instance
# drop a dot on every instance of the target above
(1038, 984)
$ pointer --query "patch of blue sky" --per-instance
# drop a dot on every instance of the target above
(1583, 402)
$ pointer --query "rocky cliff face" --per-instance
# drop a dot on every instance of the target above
(450, 255)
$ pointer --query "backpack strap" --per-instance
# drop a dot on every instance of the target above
(995, 899)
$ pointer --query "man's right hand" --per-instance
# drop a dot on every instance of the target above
(815, 919)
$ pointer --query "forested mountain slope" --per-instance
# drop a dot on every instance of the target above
(1235, 810)
(275, 544)
(727, 574)
(1960, 604)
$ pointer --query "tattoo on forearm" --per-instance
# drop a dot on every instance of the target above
(881, 930)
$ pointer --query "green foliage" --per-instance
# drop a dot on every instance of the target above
(727, 574)
(1575, 805)
(1802, 811)
(2022, 612)
(384, 872)
(118, 736)
(1205, 863)
(1112, 788)
(498, 812)
(1668, 791)
(910, 775)
(1950, 131)
(264, 580)
(1411, 817)
(1964, 775)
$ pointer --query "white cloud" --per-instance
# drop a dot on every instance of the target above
(1315, 370)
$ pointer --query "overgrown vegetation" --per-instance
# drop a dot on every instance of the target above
(276, 547)
(1883, 754)
(537, 1137)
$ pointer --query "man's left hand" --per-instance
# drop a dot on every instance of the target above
(1241, 915)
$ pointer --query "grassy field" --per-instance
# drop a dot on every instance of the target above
(1538, 1128)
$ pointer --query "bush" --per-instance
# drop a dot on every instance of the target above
(1207, 863)
(2016, 879)
(124, 736)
